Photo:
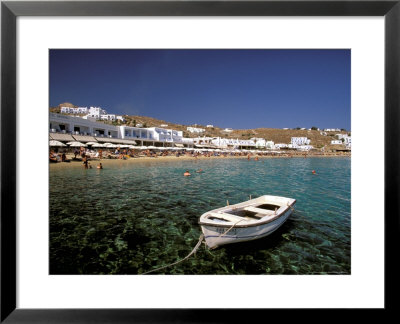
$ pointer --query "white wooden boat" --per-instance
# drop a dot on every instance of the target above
(249, 220)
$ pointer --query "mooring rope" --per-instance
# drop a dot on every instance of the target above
(223, 234)
(179, 261)
(290, 207)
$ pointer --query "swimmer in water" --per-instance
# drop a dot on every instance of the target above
(199, 170)
(100, 166)
(187, 173)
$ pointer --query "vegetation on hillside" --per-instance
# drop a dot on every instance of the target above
(276, 135)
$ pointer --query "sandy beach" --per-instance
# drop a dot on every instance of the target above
(171, 158)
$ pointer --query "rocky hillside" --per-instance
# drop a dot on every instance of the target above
(273, 134)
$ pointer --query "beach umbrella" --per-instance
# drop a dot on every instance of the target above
(76, 144)
(132, 146)
(97, 145)
(56, 143)
(189, 148)
(151, 147)
(92, 143)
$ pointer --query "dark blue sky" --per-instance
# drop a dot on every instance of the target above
(240, 89)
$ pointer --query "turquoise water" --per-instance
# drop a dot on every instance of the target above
(133, 217)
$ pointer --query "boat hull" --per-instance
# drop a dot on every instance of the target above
(216, 235)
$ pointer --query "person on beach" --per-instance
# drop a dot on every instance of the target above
(100, 166)
(53, 157)
(76, 152)
(187, 173)
(199, 171)
(85, 162)
(63, 157)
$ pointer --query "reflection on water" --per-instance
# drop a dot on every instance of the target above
(132, 218)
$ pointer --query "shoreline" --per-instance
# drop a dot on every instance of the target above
(108, 162)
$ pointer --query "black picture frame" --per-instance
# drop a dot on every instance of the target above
(10, 10)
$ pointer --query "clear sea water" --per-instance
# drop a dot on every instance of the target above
(134, 217)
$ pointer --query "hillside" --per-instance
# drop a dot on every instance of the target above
(273, 134)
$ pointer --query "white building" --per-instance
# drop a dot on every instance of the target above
(341, 136)
(347, 141)
(107, 117)
(210, 126)
(152, 134)
(196, 130)
(228, 130)
(262, 143)
(203, 141)
(135, 133)
(111, 117)
(67, 126)
(70, 110)
(332, 130)
(96, 112)
(305, 147)
(186, 141)
(298, 141)
(281, 145)
(336, 142)
(166, 135)
(79, 126)
(232, 143)
(270, 145)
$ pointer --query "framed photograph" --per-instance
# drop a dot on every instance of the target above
(197, 149)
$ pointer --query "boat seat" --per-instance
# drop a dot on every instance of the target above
(260, 211)
(228, 217)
